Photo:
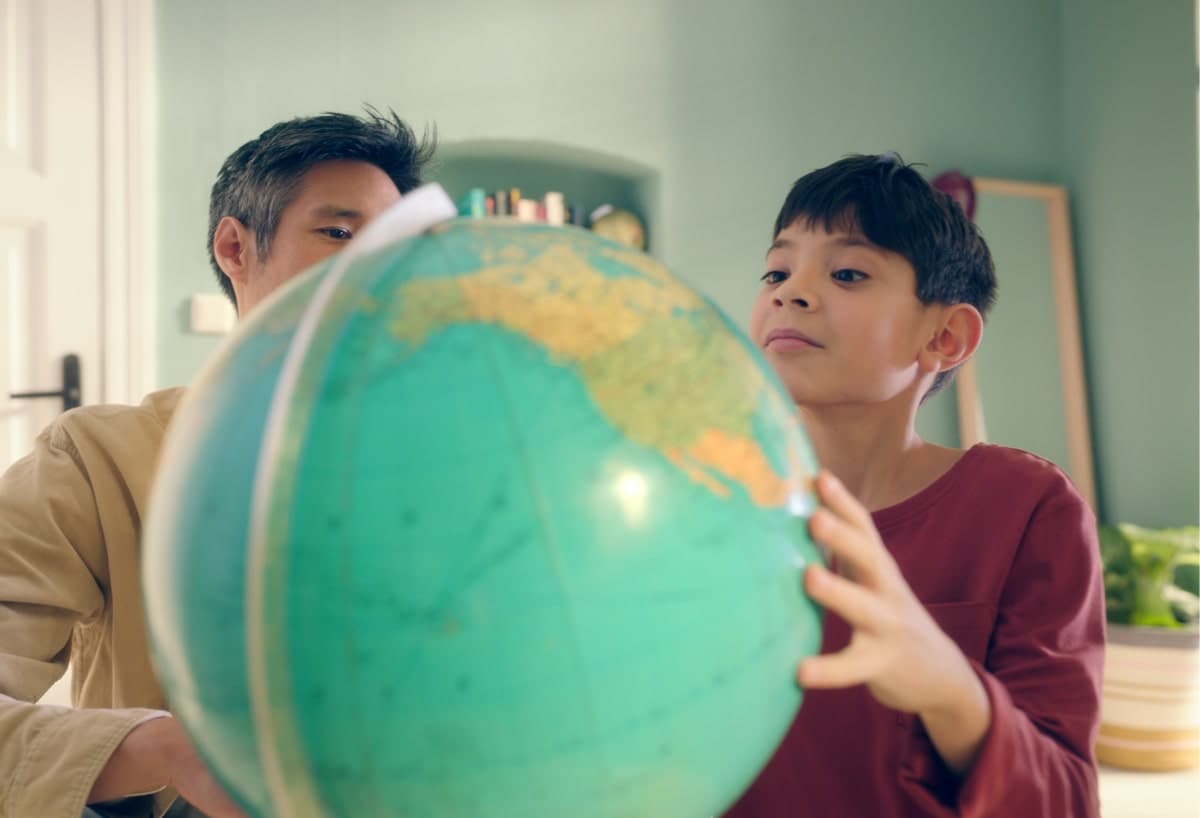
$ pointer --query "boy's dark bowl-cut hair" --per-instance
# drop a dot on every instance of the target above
(891, 204)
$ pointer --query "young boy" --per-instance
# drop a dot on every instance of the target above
(964, 633)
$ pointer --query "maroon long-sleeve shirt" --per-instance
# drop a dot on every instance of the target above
(1002, 551)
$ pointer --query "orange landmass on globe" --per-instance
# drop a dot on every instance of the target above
(740, 460)
(644, 346)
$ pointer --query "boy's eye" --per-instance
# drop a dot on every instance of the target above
(774, 277)
(338, 233)
(848, 276)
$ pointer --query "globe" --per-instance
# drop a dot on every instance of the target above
(497, 520)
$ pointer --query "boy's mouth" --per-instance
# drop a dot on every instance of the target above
(790, 339)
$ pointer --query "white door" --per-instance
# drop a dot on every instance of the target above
(50, 246)
(50, 251)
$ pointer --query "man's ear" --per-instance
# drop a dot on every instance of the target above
(233, 248)
(955, 339)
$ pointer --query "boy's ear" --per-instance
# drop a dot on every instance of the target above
(233, 248)
(956, 337)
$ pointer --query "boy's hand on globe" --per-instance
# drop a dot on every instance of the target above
(897, 650)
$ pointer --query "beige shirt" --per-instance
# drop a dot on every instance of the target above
(70, 523)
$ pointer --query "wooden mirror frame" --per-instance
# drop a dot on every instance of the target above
(971, 413)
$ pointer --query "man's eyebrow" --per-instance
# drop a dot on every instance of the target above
(332, 211)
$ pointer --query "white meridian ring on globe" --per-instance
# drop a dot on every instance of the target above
(290, 791)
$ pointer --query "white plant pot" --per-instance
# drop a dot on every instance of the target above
(1150, 709)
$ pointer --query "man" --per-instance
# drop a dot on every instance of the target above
(71, 511)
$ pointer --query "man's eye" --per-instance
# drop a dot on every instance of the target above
(848, 276)
(339, 233)
(774, 277)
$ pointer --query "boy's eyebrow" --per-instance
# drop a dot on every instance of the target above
(332, 211)
(777, 244)
(851, 240)
(856, 241)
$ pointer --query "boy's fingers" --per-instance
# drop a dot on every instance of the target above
(853, 549)
(840, 501)
(842, 669)
(861, 608)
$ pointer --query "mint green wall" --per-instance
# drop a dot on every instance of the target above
(729, 102)
(1129, 160)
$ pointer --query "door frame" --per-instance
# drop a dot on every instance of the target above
(129, 200)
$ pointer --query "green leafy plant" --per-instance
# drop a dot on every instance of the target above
(1151, 576)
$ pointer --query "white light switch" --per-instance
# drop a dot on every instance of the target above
(211, 314)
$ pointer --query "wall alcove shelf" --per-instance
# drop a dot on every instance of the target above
(585, 177)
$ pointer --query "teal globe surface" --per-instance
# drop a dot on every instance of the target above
(496, 521)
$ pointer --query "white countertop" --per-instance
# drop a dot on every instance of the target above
(1130, 794)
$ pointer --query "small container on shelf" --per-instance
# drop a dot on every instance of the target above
(556, 212)
(474, 204)
(527, 210)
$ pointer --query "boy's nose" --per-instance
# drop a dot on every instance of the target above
(795, 291)
(798, 301)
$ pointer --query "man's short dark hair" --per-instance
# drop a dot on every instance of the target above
(260, 179)
(893, 206)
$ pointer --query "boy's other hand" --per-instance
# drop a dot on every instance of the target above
(896, 648)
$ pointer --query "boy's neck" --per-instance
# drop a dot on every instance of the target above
(875, 451)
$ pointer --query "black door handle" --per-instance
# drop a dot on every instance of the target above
(72, 386)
